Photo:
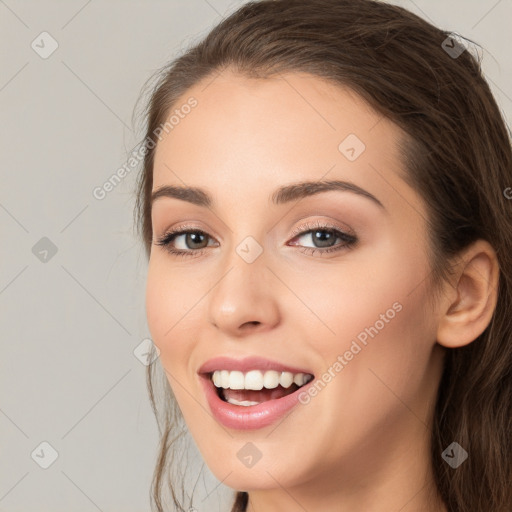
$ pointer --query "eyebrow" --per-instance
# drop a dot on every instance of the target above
(282, 195)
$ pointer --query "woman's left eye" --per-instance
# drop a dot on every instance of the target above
(323, 238)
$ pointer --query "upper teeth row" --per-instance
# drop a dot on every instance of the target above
(255, 379)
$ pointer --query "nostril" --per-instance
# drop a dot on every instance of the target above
(247, 325)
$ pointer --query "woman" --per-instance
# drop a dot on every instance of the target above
(324, 207)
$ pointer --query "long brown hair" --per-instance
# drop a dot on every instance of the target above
(457, 155)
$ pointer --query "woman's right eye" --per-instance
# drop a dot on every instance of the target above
(192, 241)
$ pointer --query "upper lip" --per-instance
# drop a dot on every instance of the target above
(247, 363)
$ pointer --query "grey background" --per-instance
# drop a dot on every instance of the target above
(70, 324)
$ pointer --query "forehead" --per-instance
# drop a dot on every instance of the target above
(257, 134)
(269, 117)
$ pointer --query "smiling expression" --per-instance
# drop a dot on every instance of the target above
(274, 266)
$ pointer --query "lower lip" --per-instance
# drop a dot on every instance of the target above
(248, 417)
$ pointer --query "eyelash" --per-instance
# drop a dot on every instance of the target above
(350, 240)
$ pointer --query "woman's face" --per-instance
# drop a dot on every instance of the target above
(331, 283)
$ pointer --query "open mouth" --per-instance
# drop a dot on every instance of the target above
(256, 387)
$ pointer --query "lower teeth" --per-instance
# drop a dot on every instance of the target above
(234, 401)
(245, 403)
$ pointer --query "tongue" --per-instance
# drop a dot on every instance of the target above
(262, 395)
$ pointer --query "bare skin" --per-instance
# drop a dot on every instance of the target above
(362, 443)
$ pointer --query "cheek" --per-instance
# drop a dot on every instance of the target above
(385, 340)
(375, 317)
(344, 302)
(167, 302)
(168, 309)
(376, 369)
(156, 304)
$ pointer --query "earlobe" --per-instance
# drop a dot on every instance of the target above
(468, 309)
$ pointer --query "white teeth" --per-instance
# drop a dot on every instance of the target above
(236, 380)
(271, 379)
(256, 380)
(245, 403)
(300, 379)
(286, 379)
(253, 380)
(224, 379)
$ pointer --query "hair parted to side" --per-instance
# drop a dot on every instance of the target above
(457, 155)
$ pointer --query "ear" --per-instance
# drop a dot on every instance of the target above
(468, 306)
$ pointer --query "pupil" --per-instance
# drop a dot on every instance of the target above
(194, 238)
(322, 237)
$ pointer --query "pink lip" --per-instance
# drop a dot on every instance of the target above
(254, 416)
(251, 417)
(246, 364)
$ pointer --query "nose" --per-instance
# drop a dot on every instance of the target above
(244, 300)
